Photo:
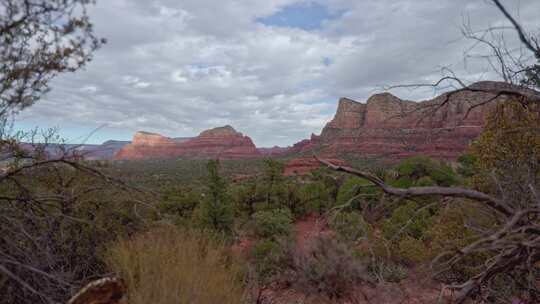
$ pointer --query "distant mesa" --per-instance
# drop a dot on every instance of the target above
(383, 126)
(222, 142)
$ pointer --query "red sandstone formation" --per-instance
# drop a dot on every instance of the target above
(387, 126)
(304, 165)
(223, 142)
(383, 126)
(148, 145)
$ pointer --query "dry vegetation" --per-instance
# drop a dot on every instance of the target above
(167, 266)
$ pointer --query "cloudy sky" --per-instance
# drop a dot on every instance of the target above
(273, 69)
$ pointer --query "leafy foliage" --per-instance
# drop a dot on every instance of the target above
(273, 223)
(180, 204)
(467, 165)
(350, 188)
(417, 167)
(350, 226)
(412, 251)
(407, 220)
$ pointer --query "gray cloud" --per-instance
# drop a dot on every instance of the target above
(179, 67)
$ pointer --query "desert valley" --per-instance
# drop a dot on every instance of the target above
(420, 186)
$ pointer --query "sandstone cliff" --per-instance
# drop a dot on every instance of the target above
(223, 142)
(387, 126)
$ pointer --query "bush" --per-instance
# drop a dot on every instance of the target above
(273, 223)
(415, 168)
(350, 226)
(269, 259)
(329, 269)
(406, 217)
(169, 266)
(425, 181)
(449, 233)
(467, 165)
(412, 251)
(179, 204)
(315, 197)
(350, 189)
(402, 182)
(386, 271)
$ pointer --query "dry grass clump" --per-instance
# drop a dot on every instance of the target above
(167, 265)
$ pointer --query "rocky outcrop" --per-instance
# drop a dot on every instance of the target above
(223, 142)
(387, 126)
(147, 145)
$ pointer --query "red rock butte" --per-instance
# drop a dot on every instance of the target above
(386, 126)
(383, 126)
(222, 142)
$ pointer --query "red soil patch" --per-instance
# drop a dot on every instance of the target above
(305, 230)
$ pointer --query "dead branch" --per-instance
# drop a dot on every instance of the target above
(424, 191)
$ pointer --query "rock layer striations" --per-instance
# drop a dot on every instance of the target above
(223, 143)
(383, 126)
(387, 126)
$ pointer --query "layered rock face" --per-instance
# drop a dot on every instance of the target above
(387, 126)
(223, 142)
(147, 145)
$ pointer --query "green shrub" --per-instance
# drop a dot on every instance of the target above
(425, 181)
(179, 203)
(449, 233)
(412, 251)
(407, 220)
(414, 167)
(350, 226)
(402, 182)
(269, 259)
(167, 265)
(417, 167)
(315, 197)
(443, 175)
(467, 165)
(273, 223)
(350, 188)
